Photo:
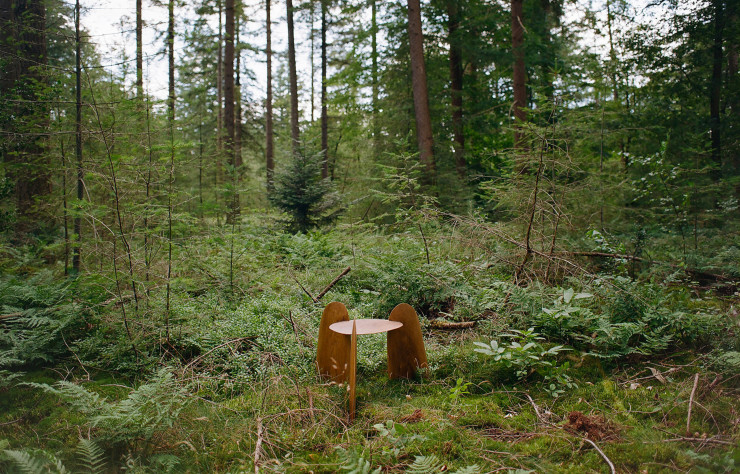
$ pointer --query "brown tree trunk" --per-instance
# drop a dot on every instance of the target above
(294, 130)
(269, 150)
(374, 74)
(324, 117)
(716, 88)
(220, 83)
(229, 109)
(520, 73)
(76, 253)
(456, 86)
(139, 52)
(424, 137)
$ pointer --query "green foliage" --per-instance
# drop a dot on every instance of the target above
(425, 465)
(460, 389)
(90, 459)
(309, 200)
(353, 463)
(526, 356)
(397, 434)
(45, 322)
(145, 412)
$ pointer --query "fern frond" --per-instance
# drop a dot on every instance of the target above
(26, 463)
(91, 457)
(426, 465)
(474, 469)
(354, 463)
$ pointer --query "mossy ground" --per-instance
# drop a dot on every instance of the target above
(263, 389)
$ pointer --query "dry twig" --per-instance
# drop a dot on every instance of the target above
(608, 461)
(691, 403)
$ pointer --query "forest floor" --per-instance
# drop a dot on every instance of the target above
(597, 372)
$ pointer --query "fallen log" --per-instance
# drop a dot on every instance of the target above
(449, 325)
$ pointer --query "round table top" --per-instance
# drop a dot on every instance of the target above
(365, 326)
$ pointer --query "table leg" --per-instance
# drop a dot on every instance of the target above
(352, 371)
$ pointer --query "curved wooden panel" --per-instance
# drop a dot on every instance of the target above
(406, 352)
(332, 354)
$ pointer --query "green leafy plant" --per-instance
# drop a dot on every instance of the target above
(526, 355)
(353, 462)
(146, 411)
(397, 435)
(90, 459)
(460, 389)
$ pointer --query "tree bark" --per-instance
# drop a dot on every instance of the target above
(229, 109)
(324, 116)
(374, 77)
(716, 88)
(424, 136)
(520, 73)
(76, 253)
(220, 83)
(139, 52)
(456, 86)
(294, 130)
(269, 150)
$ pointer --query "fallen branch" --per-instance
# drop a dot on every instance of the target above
(330, 285)
(449, 325)
(608, 461)
(304, 289)
(691, 404)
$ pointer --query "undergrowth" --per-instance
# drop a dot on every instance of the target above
(225, 379)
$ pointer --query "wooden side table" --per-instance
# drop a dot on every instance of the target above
(336, 356)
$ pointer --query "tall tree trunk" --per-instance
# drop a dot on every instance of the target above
(520, 73)
(294, 130)
(456, 85)
(324, 117)
(229, 110)
(220, 82)
(374, 75)
(238, 112)
(313, 67)
(76, 253)
(424, 137)
(139, 52)
(269, 150)
(171, 180)
(716, 88)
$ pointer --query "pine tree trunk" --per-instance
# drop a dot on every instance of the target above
(374, 75)
(269, 146)
(424, 137)
(76, 253)
(139, 52)
(294, 130)
(456, 86)
(716, 88)
(238, 113)
(520, 73)
(229, 109)
(324, 117)
(220, 82)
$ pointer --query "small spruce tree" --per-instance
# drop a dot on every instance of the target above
(300, 192)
